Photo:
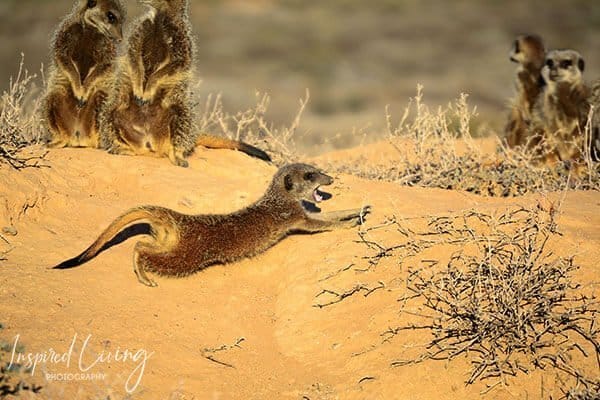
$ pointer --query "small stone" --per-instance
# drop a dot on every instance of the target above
(9, 230)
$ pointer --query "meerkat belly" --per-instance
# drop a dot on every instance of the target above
(149, 128)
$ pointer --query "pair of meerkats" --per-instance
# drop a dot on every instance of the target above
(137, 102)
(550, 111)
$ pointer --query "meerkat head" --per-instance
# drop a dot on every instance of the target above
(563, 66)
(528, 50)
(302, 182)
(106, 16)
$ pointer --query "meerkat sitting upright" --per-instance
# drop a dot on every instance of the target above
(528, 51)
(595, 123)
(150, 110)
(184, 244)
(561, 112)
(83, 50)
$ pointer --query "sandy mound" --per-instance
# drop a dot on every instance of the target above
(250, 330)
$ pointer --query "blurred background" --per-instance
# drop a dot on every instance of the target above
(354, 56)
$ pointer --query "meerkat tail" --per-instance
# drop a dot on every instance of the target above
(216, 142)
(130, 217)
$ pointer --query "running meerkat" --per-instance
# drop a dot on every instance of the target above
(150, 109)
(561, 111)
(184, 244)
(529, 53)
(84, 48)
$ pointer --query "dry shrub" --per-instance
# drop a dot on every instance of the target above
(19, 121)
(436, 149)
(14, 378)
(502, 299)
(251, 126)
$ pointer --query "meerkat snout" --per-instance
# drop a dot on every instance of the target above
(515, 52)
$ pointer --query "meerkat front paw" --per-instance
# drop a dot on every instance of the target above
(358, 213)
(356, 218)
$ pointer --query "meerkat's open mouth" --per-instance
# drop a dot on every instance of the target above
(319, 196)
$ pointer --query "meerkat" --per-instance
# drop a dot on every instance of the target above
(561, 111)
(84, 48)
(150, 110)
(184, 244)
(528, 52)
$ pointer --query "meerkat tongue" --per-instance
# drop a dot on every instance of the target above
(317, 196)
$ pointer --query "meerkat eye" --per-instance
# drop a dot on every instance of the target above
(91, 3)
(549, 63)
(309, 176)
(516, 47)
(112, 18)
(564, 64)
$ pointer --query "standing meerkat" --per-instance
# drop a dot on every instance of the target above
(184, 244)
(150, 110)
(83, 50)
(561, 112)
(529, 53)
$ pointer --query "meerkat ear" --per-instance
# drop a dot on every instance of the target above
(287, 181)
(581, 64)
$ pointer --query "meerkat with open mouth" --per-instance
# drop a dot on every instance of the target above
(183, 244)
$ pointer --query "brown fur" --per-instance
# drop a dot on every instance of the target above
(184, 244)
(595, 123)
(561, 112)
(529, 52)
(83, 50)
(150, 110)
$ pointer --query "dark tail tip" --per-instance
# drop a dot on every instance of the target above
(254, 152)
(71, 263)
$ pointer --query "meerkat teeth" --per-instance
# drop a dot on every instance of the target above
(317, 196)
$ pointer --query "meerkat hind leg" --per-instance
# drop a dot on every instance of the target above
(138, 266)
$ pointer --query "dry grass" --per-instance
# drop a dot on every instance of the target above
(19, 122)
(436, 149)
(252, 126)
